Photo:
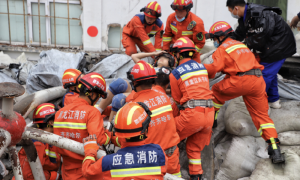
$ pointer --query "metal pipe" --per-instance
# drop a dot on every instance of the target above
(24, 23)
(54, 24)
(57, 141)
(8, 21)
(39, 22)
(13, 154)
(69, 23)
(33, 159)
(5, 139)
(8, 106)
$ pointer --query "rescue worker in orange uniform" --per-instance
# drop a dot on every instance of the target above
(136, 159)
(141, 28)
(243, 78)
(162, 129)
(70, 80)
(79, 120)
(43, 118)
(184, 23)
(190, 88)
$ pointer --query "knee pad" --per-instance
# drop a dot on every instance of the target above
(118, 102)
(118, 86)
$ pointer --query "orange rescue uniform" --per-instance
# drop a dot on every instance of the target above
(50, 161)
(175, 30)
(77, 121)
(137, 32)
(234, 57)
(189, 81)
(69, 97)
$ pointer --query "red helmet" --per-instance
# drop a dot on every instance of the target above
(183, 44)
(132, 120)
(220, 28)
(43, 113)
(70, 77)
(93, 82)
(141, 71)
(152, 10)
(182, 4)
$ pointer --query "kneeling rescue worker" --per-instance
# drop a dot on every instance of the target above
(243, 78)
(43, 118)
(80, 119)
(135, 159)
(70, 81)
(141, 28)
(190, 89)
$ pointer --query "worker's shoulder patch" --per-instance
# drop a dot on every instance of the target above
(142, 17)
(191, 25)
(159, 23)
(200, 36)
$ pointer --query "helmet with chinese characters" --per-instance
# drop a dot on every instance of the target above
(71, 77)
(220, 28)
(183, 44)
(93, 82)
(132, 120)
(43, 113)
(141, 71)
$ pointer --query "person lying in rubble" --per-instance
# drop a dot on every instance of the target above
(43, 118)
(136, 159)
(244, 77)
(80, 119)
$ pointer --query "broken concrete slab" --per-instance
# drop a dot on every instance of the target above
(290, 138)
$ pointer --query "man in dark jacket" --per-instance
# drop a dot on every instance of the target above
(264, 31)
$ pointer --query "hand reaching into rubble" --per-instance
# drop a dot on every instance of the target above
(295, 21)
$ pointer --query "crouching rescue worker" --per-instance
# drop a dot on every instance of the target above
(80, 119)
(141, 28)
(136, 159)
(184, 23)
(190, 89)
(243, 78)
(43, 118)
(70, 81)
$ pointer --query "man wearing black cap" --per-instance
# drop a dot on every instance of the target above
(266, 33)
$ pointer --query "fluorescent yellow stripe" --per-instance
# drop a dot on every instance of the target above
(158, 49)
(173, 28)
(130, 172)
(182, 1)
(153, 32)
(217, 24)
(89, 157)
(161, 110)
(217, 105)
(150, 4)
(147, 42)
(93, 76)
(165, 39)
(184, 33)
(141, 66)
(69, 125)
(107, 139)
(117, 141)
(50, 153)
(130, 114)
(70, 73)
(116, 118)
(43, 107)
(156, 6)
(194, 161)
(182, 39)
(198, 49)
(235, 47)
(265, 126)
(191, 74)
(177, 174)
(273, 143)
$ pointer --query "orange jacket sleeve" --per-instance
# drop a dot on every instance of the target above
(175, 108)
(95, 126)
(199, 36)
(167, 38)
(158, 39)
(107, 111)
(176, 93)
(218, 64)
(91, 169)
(139, 27)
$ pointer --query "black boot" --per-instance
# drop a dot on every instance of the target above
(196, 177)
(215, 120)
(274, 151)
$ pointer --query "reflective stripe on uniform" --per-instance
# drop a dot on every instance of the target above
(50, 153)
(217, 105)
(147, 42)
(130, 172)
(158, 49)
(194, 161)
(273, 143)
(185, 33)
(235, 47)
(69, 125)
(89, 157)
(153, 32)
(161, 110)
(166, 39)
(173, 28)
(198, 49)
(89, 142)
(191, 74)
(265, 126)
(107, 139)
(177, 174)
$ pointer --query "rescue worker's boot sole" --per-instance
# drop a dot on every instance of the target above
(196, 177)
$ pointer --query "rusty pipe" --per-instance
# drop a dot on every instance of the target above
(33, 159)
(58, 141)
(5, 139)
(13, 154)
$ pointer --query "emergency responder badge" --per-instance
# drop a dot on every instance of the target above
(191, 25)
(200, 36)
(161, 33)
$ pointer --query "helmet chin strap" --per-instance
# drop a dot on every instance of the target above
(92, 100)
